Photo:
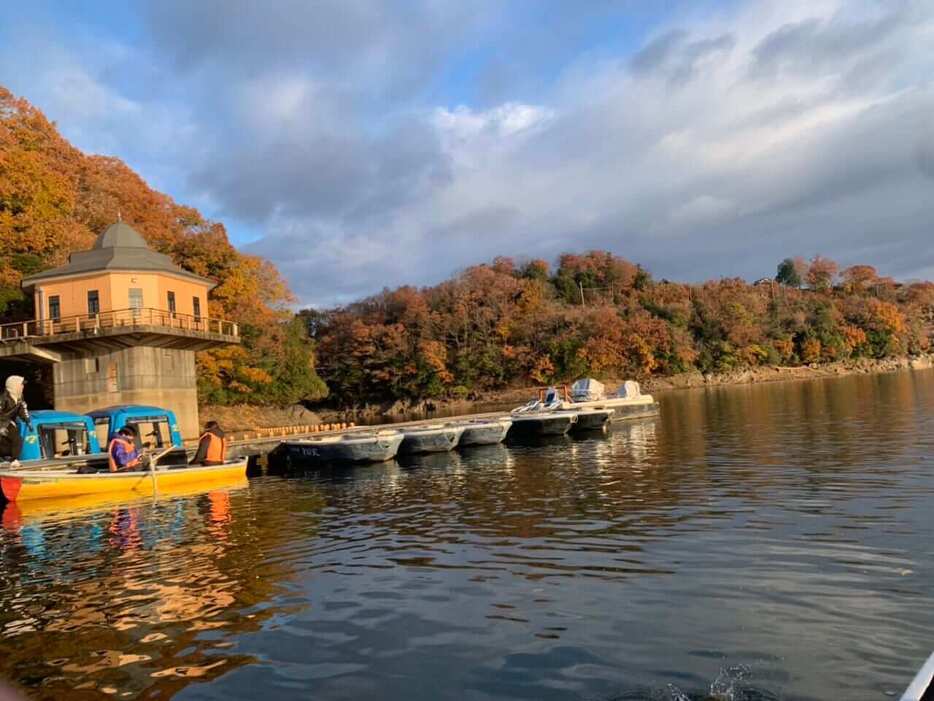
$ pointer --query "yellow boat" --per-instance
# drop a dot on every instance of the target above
(17, 513)
(23, 485)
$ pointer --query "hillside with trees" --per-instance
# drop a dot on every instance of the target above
(598, 315)
(54, 200)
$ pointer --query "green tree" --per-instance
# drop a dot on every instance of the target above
(789, 272)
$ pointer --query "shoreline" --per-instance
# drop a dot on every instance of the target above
(249, 417)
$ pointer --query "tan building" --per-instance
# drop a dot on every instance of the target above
(119, 324)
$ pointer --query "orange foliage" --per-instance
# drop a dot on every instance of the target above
(499, 324)
(54, 200)
(810, 350)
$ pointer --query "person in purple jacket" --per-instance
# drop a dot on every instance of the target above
(122, 453)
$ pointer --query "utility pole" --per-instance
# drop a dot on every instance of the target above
(580, 285)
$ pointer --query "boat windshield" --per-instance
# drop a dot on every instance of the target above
(63, 440)
(153, 430)
(102, 429)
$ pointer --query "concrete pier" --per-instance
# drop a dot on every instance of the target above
(137, 375)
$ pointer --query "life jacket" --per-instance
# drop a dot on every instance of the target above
(217, 448)
(128, 447)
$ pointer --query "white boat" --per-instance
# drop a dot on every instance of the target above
(544, 423)
(433, 438)
(483, 431)
(592, 419)
(587, 393)
(358, 446)
(922, 686)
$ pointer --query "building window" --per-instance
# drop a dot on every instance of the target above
(94, 303)
(55, 308)
(172, 302)
(136, 300)
(196, 305)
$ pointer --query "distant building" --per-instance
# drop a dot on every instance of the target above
(119, 324)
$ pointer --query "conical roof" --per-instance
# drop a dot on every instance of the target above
(118, 247)
(120, 235)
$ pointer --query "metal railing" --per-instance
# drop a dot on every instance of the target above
(116, 319)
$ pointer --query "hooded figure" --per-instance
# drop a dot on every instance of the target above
(12, 407)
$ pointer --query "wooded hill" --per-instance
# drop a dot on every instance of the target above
(54, 200)
(598, 315)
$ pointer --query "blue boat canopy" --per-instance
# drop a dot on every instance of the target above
(155, 425)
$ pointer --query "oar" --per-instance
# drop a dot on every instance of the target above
(152, 467)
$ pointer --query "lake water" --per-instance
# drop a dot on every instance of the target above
(757, 542)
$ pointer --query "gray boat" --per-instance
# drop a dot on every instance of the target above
(433, 438)
(592, 419)
(483, 431)
(358, 446)
(544, 423)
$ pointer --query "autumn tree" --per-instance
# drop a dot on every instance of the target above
(821, 273)
(859, 278)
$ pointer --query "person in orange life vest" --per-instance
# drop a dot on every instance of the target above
(212, 447)
(122, 452)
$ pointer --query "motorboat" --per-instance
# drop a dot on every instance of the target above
(357, 446)
(544, 423)
(587, 393)
(431, 438)
(483, 431)
(592, 419)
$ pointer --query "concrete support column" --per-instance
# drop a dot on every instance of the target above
(162, 377)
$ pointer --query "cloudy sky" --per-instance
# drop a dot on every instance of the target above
(362, 144)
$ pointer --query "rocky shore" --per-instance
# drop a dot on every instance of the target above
(247, 417)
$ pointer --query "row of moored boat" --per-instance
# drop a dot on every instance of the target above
(585, 410)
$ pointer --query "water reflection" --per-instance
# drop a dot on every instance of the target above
(130, 599)
(751, 543)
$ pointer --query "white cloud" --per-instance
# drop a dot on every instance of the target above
(727, 141)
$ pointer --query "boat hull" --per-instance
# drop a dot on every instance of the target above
(545, 424)
(623, 409)
(486, 433)
(438, 440)
(378, 449)
(19, 512)
(20, 485)
(593, 420)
